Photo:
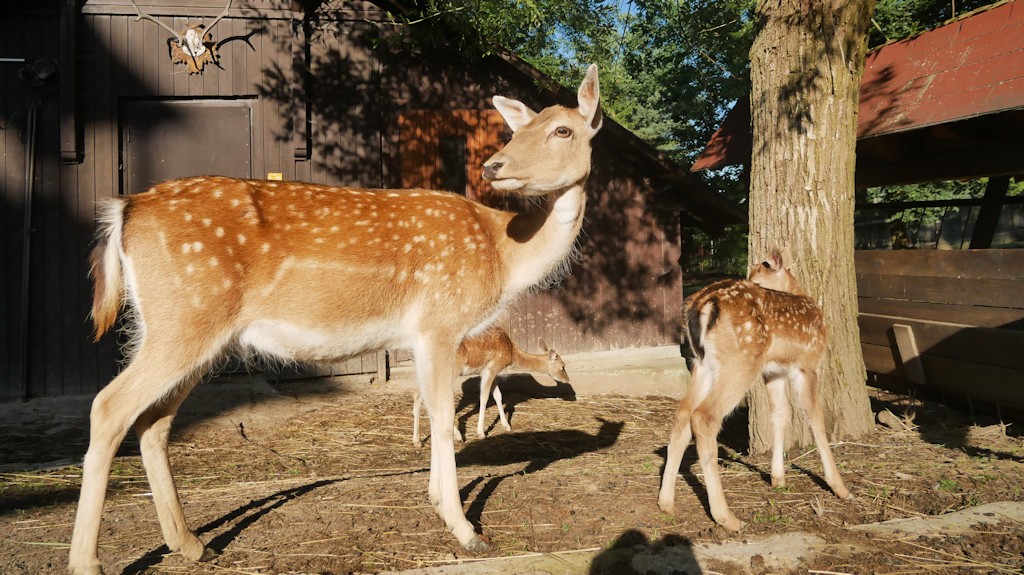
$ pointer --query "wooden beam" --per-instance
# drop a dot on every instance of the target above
(998, 159)
(988, 215)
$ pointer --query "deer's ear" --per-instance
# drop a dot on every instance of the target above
(775, 259)
(516, 113)
(589, 98)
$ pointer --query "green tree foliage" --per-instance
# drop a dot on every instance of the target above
(670, 69)
(898, 19)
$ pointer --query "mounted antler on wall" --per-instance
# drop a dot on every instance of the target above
(194, 46)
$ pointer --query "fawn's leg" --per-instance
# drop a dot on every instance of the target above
(701, 380)
(416, 401)
(487, 376)
(729, 388)
(501, 408)
(778, 403)
(806, 384)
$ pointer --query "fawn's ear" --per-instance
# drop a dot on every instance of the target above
(775, 260)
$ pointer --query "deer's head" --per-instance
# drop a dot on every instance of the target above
(773, 274)
(549, 151)
(556, 367)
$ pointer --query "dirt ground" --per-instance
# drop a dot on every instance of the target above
(327, 480)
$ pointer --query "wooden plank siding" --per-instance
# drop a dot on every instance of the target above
(965, 309)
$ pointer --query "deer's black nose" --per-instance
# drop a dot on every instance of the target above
(491, 170)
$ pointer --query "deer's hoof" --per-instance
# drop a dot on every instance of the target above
(194, 550)
(732, 524)
(478, 544)
(85, 570)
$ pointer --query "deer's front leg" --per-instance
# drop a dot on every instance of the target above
(779, 405)
(486, 381)
(435, 369)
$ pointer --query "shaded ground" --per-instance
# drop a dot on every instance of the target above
(329, 482)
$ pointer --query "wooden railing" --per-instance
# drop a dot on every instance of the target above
(948, 321)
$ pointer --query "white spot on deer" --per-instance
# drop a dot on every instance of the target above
(335, 228)
(218, 193)
(197, 247)
(196, 302)
(241, 239)
(408, 248)
(363, 223)
(235, 202)
(226, 283)
(186, 247)
(207, 222)
(219, 232)
(188, 217)
(190, 269)
(214, 262)
(265, 247)
(319, 240)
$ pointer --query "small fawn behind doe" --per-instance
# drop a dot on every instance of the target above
(487, 355)
(740, 330)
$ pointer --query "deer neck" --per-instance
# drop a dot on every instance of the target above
(538, 243)
(537, 363)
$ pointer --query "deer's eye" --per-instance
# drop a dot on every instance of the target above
(563, 132)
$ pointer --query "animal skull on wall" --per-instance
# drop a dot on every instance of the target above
(193, 47)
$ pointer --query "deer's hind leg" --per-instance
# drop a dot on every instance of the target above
(153, 428)
(805, 383)
(701, 381)
(734, 381)
(158, 378)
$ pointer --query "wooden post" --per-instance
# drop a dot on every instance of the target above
(988, 215)
(908, 354)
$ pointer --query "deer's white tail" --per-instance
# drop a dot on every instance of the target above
(105, 268)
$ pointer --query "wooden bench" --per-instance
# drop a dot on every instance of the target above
(948, 321)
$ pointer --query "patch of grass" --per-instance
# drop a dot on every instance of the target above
(948, 485)
(771, 519)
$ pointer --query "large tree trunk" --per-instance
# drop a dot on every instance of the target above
(806, 66)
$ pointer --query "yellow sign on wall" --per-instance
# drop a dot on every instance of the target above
(278, 176)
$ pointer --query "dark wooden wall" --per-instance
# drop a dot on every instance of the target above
(338, 123)
(949, 321)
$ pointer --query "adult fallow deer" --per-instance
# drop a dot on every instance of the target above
(487, 355)
(314, 273)
(739, 331)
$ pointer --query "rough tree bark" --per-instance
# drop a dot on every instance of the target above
(806, 66)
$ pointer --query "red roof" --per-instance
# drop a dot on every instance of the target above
(969, 67)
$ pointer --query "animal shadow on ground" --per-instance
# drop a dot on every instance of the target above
(242, 518)
(940, 424)
(516, 388)
(538, 449)
(633, 554)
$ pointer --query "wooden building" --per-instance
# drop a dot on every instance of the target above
(93, 106)
(946, 104)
